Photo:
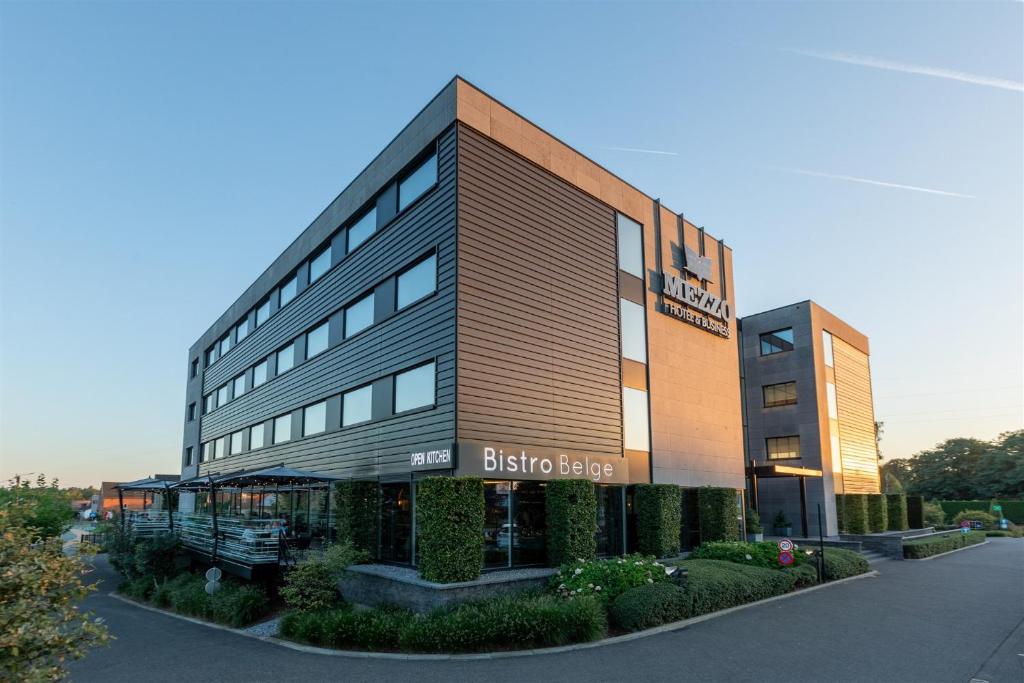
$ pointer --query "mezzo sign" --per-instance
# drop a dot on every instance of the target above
(689, 302)
(501, 461)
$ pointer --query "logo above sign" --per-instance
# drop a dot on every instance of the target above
(690, 302)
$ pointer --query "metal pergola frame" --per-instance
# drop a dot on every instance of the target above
(757, 472)
(149, 484)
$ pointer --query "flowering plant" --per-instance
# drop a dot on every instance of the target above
(607, 579)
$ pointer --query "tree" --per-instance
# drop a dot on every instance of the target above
(41, 627)
(894, 473)
(1001, 470)
(964, 469)
(879, 432)
(44, 507)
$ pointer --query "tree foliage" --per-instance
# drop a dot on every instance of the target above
(43, 507)
(963, 469)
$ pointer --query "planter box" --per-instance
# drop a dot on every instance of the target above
(755, 538)
(783, 530)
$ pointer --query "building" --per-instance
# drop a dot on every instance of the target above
(480, 300)
(807, 403)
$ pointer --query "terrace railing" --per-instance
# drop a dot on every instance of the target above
(148, 523)
(245, 540)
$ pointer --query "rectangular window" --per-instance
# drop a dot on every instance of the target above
(417, 282)
(316, 341)
(633, 331)
(195, 367)
(320, 265)
(222, 396)
(286, 359)
(417, 182)
(283, 428)
(826, 345)
(635, 420)
(777, 341)
(357, 406)
(225, 343)
(211, 355)
(188, 456)
(830, 396)
(259, 374)
(631, 246)
(263, 313)
(783, 447)
(239, 383)
(191, 411)
(775, 395)
(288, 291)
(359, 316)
(236, 443)
(209, 402)
(361, 230)
(256, 436)
(414, 388)
(242, 329)
(204, 456)
(218, 450)
(314, 419)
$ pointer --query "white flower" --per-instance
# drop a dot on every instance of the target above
(581, 560)
(561, 587)
(577, 572)
(796, 547)
(650, 580)
(597, 588)
(748, 557)
(590, 585)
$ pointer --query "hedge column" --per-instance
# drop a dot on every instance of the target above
(878, 518)
(358, 511)
(897, 511)
(717, 514)
(855, 513)
(658, 519)
(915, 512)
(571, 511)
(450, 526)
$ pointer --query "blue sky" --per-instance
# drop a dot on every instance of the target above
(155, 157)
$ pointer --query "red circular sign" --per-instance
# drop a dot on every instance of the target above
(785, 545)
(966, 524)
(785, 558)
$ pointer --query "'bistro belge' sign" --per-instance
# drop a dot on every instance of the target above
(503, 461)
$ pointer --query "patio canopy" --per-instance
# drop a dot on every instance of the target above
(147, 484)
(274, 476)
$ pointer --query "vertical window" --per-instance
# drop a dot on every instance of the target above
(631, 246)
(830, 396)
(396, 522)
(361, 230)
(826, 345)
(320, 265)
(239, 385)
(256, 436)
(635, 420)
(777, 341)
(357, 406)
(316, 340)
(283, 428)
(314, 419)
(222, 396)
(289, 290)
(204, 456)
(209, 402)
(236, 443)
(259, 374)
(359, 315)
(225, 343)
(191, 411)
(188, 456)
(783, 447)
(286, 359)
(779, 394)
(414, 388)
(218, 450)
(195, 367)
(417, 182)
(242, 329)
(211, 355)
(417, 282)
(633, 331)
(263, 313)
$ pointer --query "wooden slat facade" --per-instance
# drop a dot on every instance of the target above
(857, 446)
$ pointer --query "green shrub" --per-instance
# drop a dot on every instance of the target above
(915, 512)
(855, 513)
(988, 521)
(932, 515)
(309, 586)
(238, 605)
(897, 511)
(358, 514)
(450, 521)
(120, 547)
(878, 512)
(754, 522)
(162, 595)
(780, 521)
(713, 585)
(1013, 510)
(841, 563)
(914, 549)
(607, 579)
(763, 554)
(804, 575)
(190, 598)
(718, 514)
(659, 519)
(648, 606)
(340, 556)
(156, 556)
(571, 512)
(138, 588)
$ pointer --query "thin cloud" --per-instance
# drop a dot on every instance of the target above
(879, 183)
(642, 151)
(876, 63)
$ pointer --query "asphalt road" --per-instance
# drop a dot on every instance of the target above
(954, 618)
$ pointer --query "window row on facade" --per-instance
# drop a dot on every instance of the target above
(777, 341)
(409, 390)
(408, 287)
(389, 203)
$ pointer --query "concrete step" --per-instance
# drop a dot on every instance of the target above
(873, 557)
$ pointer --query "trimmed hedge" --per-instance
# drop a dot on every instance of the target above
(1013, 510)
(713, 585)
(841, 563)
(358, 513)
(450, 522)
(855, 512)
(897, 511)
(915, 512)
(659, 519)
(934, 545)
(764, 554)
(650, 605)
(878, 512)
(571, 512)
(717, 514)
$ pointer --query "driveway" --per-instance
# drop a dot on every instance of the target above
(953, 618)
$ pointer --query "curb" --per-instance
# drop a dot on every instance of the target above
(948, 552)
(664, 628)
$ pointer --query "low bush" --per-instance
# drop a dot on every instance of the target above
(717, 514)
(1012, 509)
(139, 588)
(571, 514)
(309, 586)
(878, 512)
(841, 563)
(897, 512)
(658, 519)
(762, 554)
(987, 520)
(804, 575)
(156, 556)
(450, 522)
(162, 595)
(916, 549)
(607, 579)
(931, 515)
(372, 629)
(190, 597)
(649, 605)
(238, 605)
(713, 585)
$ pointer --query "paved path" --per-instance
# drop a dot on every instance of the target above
(953, 618)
